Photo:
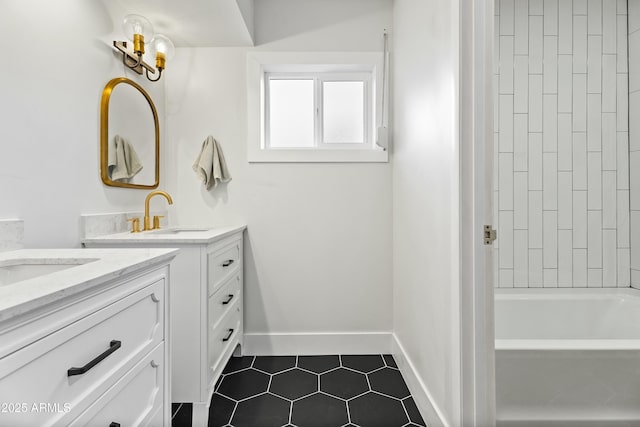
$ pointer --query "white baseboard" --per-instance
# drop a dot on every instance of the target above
(317, 343)
(430, 412)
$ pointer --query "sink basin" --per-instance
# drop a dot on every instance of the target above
(19, 270)
(180, 230)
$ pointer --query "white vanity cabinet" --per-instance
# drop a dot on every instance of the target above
(206, 306)
(95, 353)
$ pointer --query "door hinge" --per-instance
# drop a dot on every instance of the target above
(489, 235)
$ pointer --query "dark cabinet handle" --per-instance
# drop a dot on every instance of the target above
(113, 346)
(225, 339)
(114, 424)
(227, 301)
(227, 263)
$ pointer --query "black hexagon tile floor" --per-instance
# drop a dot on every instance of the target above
(309, 391)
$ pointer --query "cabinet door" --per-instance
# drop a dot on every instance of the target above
(77, 364)
(135, 400)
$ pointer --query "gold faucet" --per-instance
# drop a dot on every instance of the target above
(147, 219)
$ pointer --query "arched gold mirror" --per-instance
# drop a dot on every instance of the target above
(129, 136)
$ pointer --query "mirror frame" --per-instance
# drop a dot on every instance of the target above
(104, 134)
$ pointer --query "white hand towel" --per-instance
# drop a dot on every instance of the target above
(123, 160)
(210, 165)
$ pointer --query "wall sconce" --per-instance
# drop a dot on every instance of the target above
(138, 29)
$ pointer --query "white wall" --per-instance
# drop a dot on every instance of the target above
(425, 196)
(318, 253)
(561, 144)
(58, 60)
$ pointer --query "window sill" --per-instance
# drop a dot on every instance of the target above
(318, 156)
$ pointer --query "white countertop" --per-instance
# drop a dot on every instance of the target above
(207, 235)
(104, 265)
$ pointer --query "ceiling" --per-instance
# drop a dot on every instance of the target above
(193, 23)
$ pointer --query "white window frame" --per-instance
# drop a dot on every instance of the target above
(323, 66)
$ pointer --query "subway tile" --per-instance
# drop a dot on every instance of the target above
(634, 16)
(594, 239)
(579, 268)
(505, 161)
(535, 220)
(565, 200)
(634, 62)
(634, 177)
(579, 7)
(550, 181)
(535, 161)
(622, 222)
(594, 279)
(506, 17)
(565, 83)
(550, 277)
(579, 102)
(579, 161)
(506, 64)
(622, 103)
(550, 123)
(520, 142)
(506, 123)
(536, 44)
(623, 161)
(594, 13)
(579, 220)
(635, 240)
(609, 196)
(520, 201)
(521, 30)
(609, 142)
(624, 267)
(535, 103)
(594, 180)
(579, 44)
(550, 17)
(505, 235)
(565, 142)
(609, 81)
(550, 64)
(594, 122)
(594, 64)
(506, 278)
(565, 258)
(621, 44)
(536, 7)
(536, 279)
(550, 239)
(635, 279)
(634, 125)
(520, 84)
(609, 20)
(565, 27)
(520, 259)
(609, 264)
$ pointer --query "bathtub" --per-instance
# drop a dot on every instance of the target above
(567, 357)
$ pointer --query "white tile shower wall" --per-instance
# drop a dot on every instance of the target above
(632, 257)
(562, 137)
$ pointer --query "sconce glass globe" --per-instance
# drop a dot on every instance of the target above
(137, 24)
(163, 45)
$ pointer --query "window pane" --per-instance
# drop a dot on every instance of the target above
(343, 112)
(291, 118)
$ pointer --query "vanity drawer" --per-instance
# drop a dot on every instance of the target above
(223, 337)
(106, 343)
(221, 264)
(135, 400)
(224, 299)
